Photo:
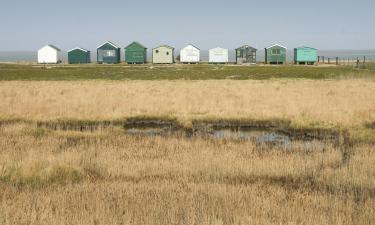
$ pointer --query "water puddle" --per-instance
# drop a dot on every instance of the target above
(263, 134)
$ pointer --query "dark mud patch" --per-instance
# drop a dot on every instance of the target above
(7, 122)
(322, 134)
(155, 127)
(78, 125)
(370, 125)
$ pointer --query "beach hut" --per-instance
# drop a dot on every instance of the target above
(49, 54)
(218, 55)
(190, 54)
(305, 55)
(246, 54)
(275, 54)
(135, 53)
(79, 56)
(108, 53)
(163, 54)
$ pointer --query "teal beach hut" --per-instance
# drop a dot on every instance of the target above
(79, 56)
(275, 54)
(108, 53)
(305, 55)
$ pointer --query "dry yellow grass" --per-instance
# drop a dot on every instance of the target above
(119, 179)
(348, 102)
(107, 177)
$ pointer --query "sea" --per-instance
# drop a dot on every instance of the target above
(31, 56)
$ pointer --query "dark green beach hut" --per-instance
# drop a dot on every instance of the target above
(135, 53)
(79, 56)
(108, 53)
(305, 55)
(275, 54)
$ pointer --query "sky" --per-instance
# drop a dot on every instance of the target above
(27, 25)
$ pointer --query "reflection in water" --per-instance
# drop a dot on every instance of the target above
(264, 138)
(259, 137)
(269, 139)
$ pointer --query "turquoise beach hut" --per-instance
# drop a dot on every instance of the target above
(305, 55)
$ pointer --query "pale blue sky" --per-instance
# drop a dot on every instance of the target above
(325, 24)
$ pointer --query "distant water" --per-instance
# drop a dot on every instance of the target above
(28, 56)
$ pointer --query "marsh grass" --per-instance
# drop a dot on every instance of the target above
(38, 174)
(106, 177)
(303, 103)
(65, 158)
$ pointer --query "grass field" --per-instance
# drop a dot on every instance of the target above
(334, 102)
(176, 72)
(106, 177)
(51, 175)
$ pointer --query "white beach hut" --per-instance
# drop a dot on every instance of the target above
(49, 54)
(218, 55)
(190, 54)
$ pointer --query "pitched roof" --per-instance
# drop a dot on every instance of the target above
(191, 45)
(110, 43)
(137, 43)
(166, 46)
(52, 46)
(78, 48)
(275, 46)
(306, 47)
(246, 46)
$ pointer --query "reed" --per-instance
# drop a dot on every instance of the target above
(304, 102)
(106, 177)
(65, 157)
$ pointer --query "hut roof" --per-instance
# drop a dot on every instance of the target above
(306, 47)
(52, 46)
(191, 45)
(166, 46)
(110, 43)
(137, 43)
(276, 45)
(78, 48)
(246, 46)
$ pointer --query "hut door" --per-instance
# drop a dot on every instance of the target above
(100, 55)
(253, 57)
(248, 56)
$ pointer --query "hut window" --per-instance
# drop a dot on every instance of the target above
(167, 53)
(156, 51)
(276, 51)
(109, 53)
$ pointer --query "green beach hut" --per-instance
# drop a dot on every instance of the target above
(135, 53)
(108, 53)
(305, 55)
(79, 56)
(275, 54)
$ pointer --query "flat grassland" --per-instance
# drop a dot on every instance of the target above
(106, 176)
(329, 102)
(178, 72)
